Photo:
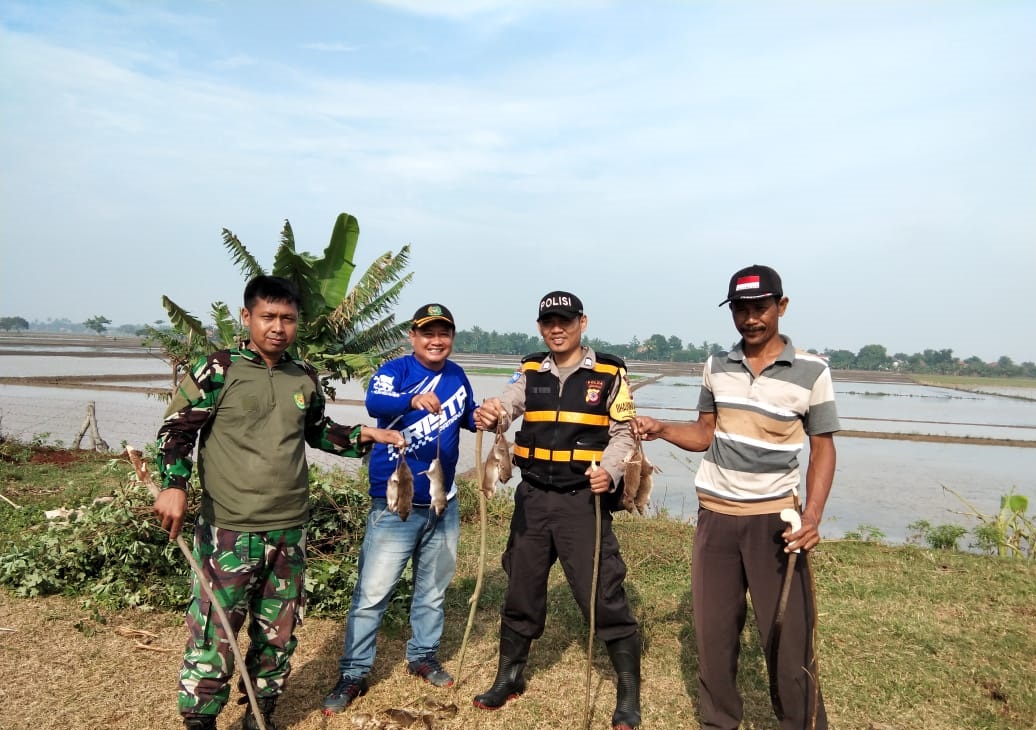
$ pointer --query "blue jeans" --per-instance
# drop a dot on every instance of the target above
(431, 542)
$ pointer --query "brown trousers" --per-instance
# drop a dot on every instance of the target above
(732, 555)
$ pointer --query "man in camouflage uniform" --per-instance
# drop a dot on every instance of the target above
(254, 409)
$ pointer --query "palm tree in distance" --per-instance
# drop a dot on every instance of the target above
(344, 333)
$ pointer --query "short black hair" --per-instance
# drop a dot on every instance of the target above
(271, 289)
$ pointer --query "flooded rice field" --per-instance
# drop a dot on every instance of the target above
(882, 483)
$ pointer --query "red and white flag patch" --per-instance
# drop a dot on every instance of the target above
(747, 282)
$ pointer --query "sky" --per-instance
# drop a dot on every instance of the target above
(880, 155)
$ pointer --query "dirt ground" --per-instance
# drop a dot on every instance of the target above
(64, 665)
(118, 671)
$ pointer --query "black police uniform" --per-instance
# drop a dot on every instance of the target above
(569, 422)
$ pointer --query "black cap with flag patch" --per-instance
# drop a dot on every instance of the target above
(432, 313)
(754, 282)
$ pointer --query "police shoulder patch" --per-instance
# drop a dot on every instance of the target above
(623, 408)
(300, 401)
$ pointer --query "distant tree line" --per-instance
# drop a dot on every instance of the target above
(671, 349)
(943, 362)
(96, 324)
(656, 348)
(13, 323)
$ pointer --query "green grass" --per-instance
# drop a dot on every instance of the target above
(40, 480)
(908, 637)
(924, 634)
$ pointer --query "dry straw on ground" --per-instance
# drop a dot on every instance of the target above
(61, 668)
(908, 638)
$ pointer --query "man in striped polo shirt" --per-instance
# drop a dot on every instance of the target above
(758, 406)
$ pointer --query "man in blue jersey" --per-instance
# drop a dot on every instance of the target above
(758, 406)
(429, 399)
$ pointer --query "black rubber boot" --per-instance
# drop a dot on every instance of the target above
(200, 722)
(509, 683)
(625, 656)
(266, 707)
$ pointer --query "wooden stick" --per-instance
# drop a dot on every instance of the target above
(790, 516)
(483, 519)
(593, 604)
(811, 588)
(78, 440)
(148, 647)
(132, 633)
(136, 458)
(815, 674)
(97, 443)
(9, 502)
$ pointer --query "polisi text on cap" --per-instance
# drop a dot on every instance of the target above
(555, 301)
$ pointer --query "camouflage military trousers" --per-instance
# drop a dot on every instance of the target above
(259, 574)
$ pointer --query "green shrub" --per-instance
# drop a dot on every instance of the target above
(115, 553)
(112, 551)
(337, 522)
(1010, 532)
(938, 537)
(866, 533)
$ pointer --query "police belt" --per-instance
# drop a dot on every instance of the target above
(587, 455)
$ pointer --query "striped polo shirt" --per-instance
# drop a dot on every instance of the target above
(752, 465)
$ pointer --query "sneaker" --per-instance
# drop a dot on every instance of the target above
(347, 690)
(431, 671)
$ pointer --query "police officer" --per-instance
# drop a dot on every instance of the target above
(573, 437)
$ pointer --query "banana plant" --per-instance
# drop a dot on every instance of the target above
(344, 334)
(188, 340)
